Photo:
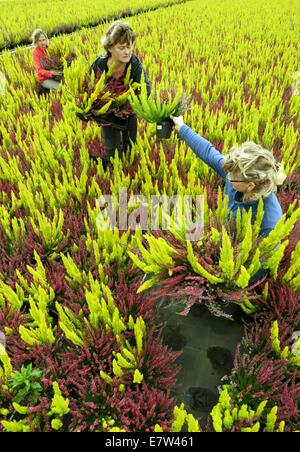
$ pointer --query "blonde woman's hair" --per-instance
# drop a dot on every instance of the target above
(255, 164)
(36, 35)
(118, 32)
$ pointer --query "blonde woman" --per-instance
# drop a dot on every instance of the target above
(118, 43)
(249, 171)
(41, 43)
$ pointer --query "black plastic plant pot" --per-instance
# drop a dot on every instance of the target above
(164, 129)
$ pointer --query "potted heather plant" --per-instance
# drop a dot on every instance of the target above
(158, 108)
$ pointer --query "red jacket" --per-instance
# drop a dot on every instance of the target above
(38, 55)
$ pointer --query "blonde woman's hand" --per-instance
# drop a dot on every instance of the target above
(178, 121)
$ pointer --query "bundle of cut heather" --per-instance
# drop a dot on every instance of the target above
(95, 96)
(55, 60)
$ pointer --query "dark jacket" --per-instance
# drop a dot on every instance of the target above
(100, 64)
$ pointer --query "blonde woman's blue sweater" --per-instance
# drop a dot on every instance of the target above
(213, 158)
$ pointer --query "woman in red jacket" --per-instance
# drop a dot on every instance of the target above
(44, 76)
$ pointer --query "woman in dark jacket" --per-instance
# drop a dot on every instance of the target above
(118, 42)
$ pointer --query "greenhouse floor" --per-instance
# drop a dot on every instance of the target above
(208, 345)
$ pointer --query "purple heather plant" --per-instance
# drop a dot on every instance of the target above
(260, 374)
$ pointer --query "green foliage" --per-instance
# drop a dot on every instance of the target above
(70, 325)
(73, 15)
(26, 384)
(156, 107)
(14, 229)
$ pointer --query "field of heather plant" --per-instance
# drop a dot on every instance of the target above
(16, 28)
(82, 343)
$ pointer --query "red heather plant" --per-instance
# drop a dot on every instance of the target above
(96, 148)
(56, 110)
(141, 407)
(264, 379)
(15, 151)
(7, 188)
(137, 409)
(122, 273)
(288, 404)
(40, 412)
(260, 374)
(92, 398)
(293, 241)
(95, 355)
(74, 227)
(256, 377)
(212, 194)
(286, 199)
(10, 320)
(6, 400)
(45, 356)
(131, 303)
(257, 337)
(77, 371)
(117, 88)
(292, 183)
(17, 256)
(55, 272)
(68, 291)
(158, 363)
(282, 303)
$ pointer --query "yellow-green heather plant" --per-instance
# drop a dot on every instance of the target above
(181, 420)
(227, 415)
(83, 90)
(59, 408)
(237, 260)
(6, 369)
(239, 93)
(292, 276)
(159, 106)
(291, 355)
(74, 15)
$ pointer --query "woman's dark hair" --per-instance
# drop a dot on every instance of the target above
(118, 32)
